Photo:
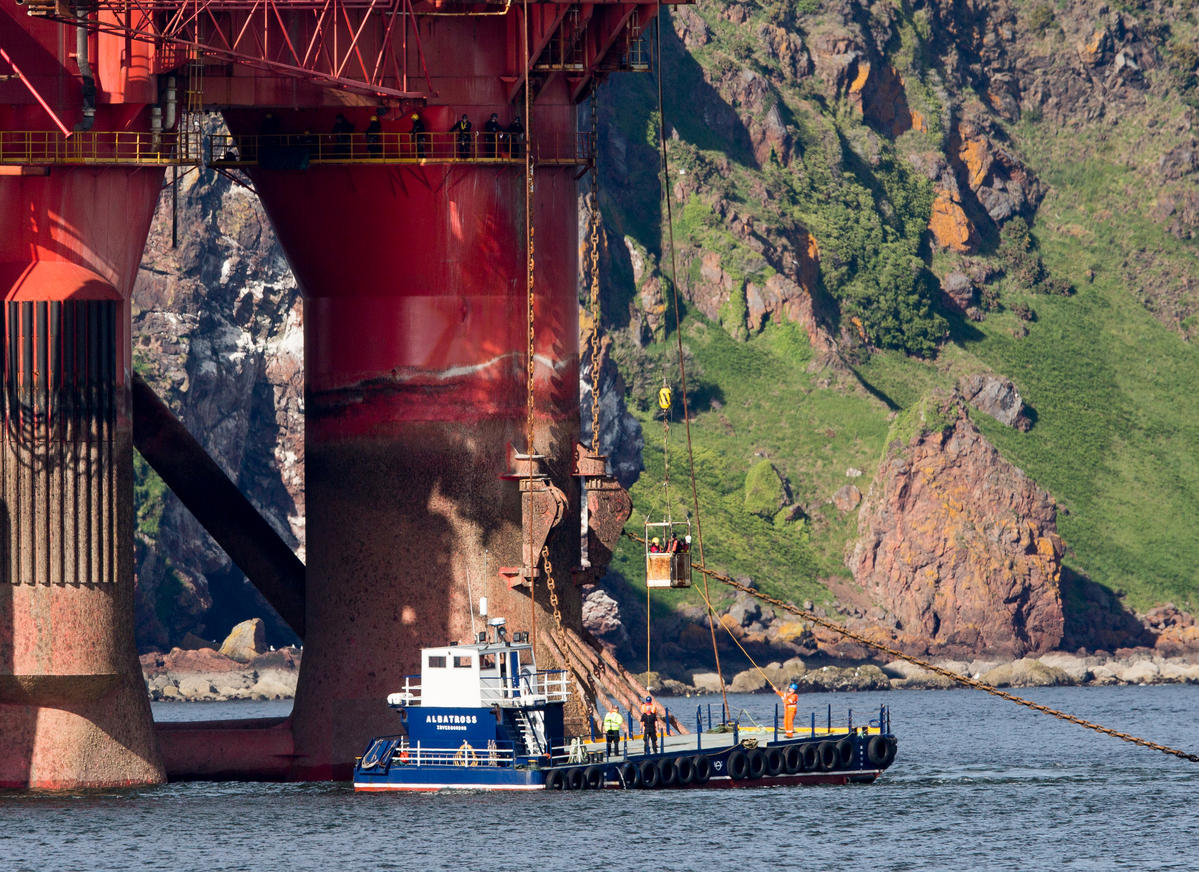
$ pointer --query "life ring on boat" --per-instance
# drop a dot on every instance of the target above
(466, 755)
(828, 756)
(684, 768)
(649, 775)
(880, 751)
(702, 768)
(630, 775)
(793, 759)
(593, 778)
(810, 757)
(668, 773)
(738, 765)
(555, 780)
(774, 761)
(846, 753)
(757, 763)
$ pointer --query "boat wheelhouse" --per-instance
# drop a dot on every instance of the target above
(479, 716)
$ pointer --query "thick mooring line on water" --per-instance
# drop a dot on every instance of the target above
(965, 680)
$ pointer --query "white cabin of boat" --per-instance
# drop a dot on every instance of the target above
(493, 671)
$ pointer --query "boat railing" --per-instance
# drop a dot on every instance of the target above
(551, 685)
(495, 753)
(531, 688)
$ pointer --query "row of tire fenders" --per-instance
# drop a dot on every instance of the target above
(743, 764)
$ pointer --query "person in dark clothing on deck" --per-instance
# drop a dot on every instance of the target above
(491, 134)
(419, 136)
(649, 724)
(374, 132)
(343, 131)
(516, 137)
(461, 129)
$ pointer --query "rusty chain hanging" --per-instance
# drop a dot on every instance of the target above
(593, 252)
(938, 670)
(530, 363)
(530, 262)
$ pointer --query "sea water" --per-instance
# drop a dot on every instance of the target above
(979, 783)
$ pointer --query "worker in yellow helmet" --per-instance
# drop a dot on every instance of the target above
(613, 721)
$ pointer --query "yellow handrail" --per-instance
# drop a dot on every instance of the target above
(96, 148)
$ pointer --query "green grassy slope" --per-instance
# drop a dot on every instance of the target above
(1108, 371)
(768, 408)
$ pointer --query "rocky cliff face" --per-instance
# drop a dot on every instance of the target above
(904, 117)
(218, 332)
(959, 550)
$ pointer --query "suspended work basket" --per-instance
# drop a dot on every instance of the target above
(668, 553)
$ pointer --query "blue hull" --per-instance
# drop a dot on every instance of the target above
(401, 777)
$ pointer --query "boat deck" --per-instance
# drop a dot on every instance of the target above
(632, 747)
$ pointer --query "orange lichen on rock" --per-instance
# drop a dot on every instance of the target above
(976, 155)
(949, 225)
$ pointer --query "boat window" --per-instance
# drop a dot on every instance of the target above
(462, 662)
(436, 661)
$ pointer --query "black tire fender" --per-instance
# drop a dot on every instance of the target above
(702, 768)
(809, 757)
(828, 756)
(774, 761)
(793, 759)
(846, 753)
(668, 773)
(878, 752)
(593, 778)
(757, 763)
(631, 775)
(684, 770)
(574, 779)
(649, 775)
(555, 780)
(737, 765)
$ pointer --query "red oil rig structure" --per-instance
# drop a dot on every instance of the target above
(438, 268)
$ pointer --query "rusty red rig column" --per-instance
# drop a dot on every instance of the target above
(73, 223)
(411, 256)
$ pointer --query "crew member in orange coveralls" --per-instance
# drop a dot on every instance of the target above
(790, 706)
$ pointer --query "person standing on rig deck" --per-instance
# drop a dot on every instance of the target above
(649, 724)
(461, 131)
(790, 706)
(613, 721)
(420, 139)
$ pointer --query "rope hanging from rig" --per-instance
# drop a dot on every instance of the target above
(678, 334)
(940, 670)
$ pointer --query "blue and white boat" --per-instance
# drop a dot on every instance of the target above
(478, 717)
(483, 717)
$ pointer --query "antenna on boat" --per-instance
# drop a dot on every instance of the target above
(470, 599)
